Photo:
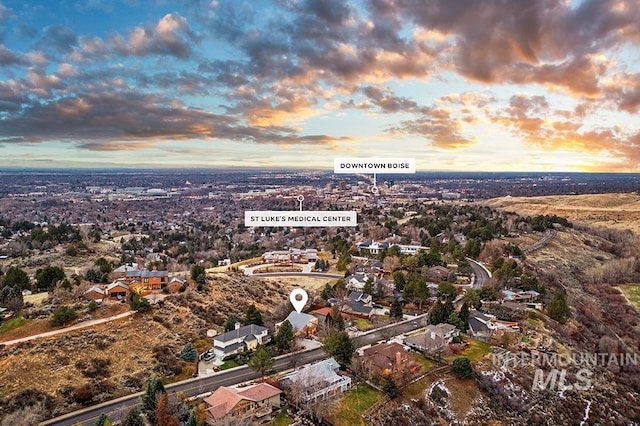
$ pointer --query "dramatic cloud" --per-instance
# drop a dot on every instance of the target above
(108, 121)
(545, 74)
(438, 126)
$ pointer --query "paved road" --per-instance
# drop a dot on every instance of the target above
(481, 275)
(200, 385)
(548, 235)
(298, 274)
(69, 329)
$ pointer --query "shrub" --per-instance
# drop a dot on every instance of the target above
(462, 367)
(63, 315)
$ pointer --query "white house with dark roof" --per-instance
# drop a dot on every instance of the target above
(241, 339)
(373, 247)
(316, 382)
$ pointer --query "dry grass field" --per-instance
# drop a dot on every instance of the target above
(133, 349)
(619, 211)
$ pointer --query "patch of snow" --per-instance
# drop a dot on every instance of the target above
(586, 413)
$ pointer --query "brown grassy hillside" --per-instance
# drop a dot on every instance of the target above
(619, 211)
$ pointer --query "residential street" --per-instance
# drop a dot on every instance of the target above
(200, 385)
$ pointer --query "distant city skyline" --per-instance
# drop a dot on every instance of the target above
(470, 85)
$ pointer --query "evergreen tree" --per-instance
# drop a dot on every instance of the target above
(285, 336)
(446, 290)
(338, 344)
(133, 418)
(389, 388)
(198, 274)
(230, 323)
(455, 320)
(461, 367)
(253, 316)
(189, 353)
(368, 286)
(335, 318)
(63, 315)
(139, 303)
(558, 308)
(103, 420)
(464, 316)
(399, 280)
(344, 261)
(396, 309)
(327, 292)
(16, 277)
(261, 361)
(150, 397)
(48, 277)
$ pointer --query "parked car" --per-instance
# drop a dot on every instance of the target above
(207, 356)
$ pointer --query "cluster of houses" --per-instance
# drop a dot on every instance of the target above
(135, 278)
(375, 247)
(291, 256)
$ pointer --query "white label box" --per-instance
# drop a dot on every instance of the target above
(374, 165)
(294, 218)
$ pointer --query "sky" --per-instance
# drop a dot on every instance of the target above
(465, 85)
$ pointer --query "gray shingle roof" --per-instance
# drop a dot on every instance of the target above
(242, 332)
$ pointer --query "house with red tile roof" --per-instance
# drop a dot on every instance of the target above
(249, 405)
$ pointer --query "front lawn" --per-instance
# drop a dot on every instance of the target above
(353, 404)
(475, 350)
(425, 363)
(230, 363)
(363, 324)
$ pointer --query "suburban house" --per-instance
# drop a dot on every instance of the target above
(359, 304)
(410, 248)
(373, 247)
(389, 359)
(291, 256)
(175, 284)
(94, 292)
(304, 325)
(316, 382)
(249, 405)
(437, 273)
(357, 281)
(241, 339)
(520, 296)
(434, 339)
(145, 282)
(121, 271)
(322, 314)
(485, 326)
(529, 298)
(117, 290)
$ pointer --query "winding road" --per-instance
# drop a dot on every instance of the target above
(481, 274)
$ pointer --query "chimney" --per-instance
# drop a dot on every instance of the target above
(238, 325)
(398, 358)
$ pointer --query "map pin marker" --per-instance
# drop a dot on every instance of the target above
(298, 298)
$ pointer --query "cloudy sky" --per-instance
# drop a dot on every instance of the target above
(544, 85)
